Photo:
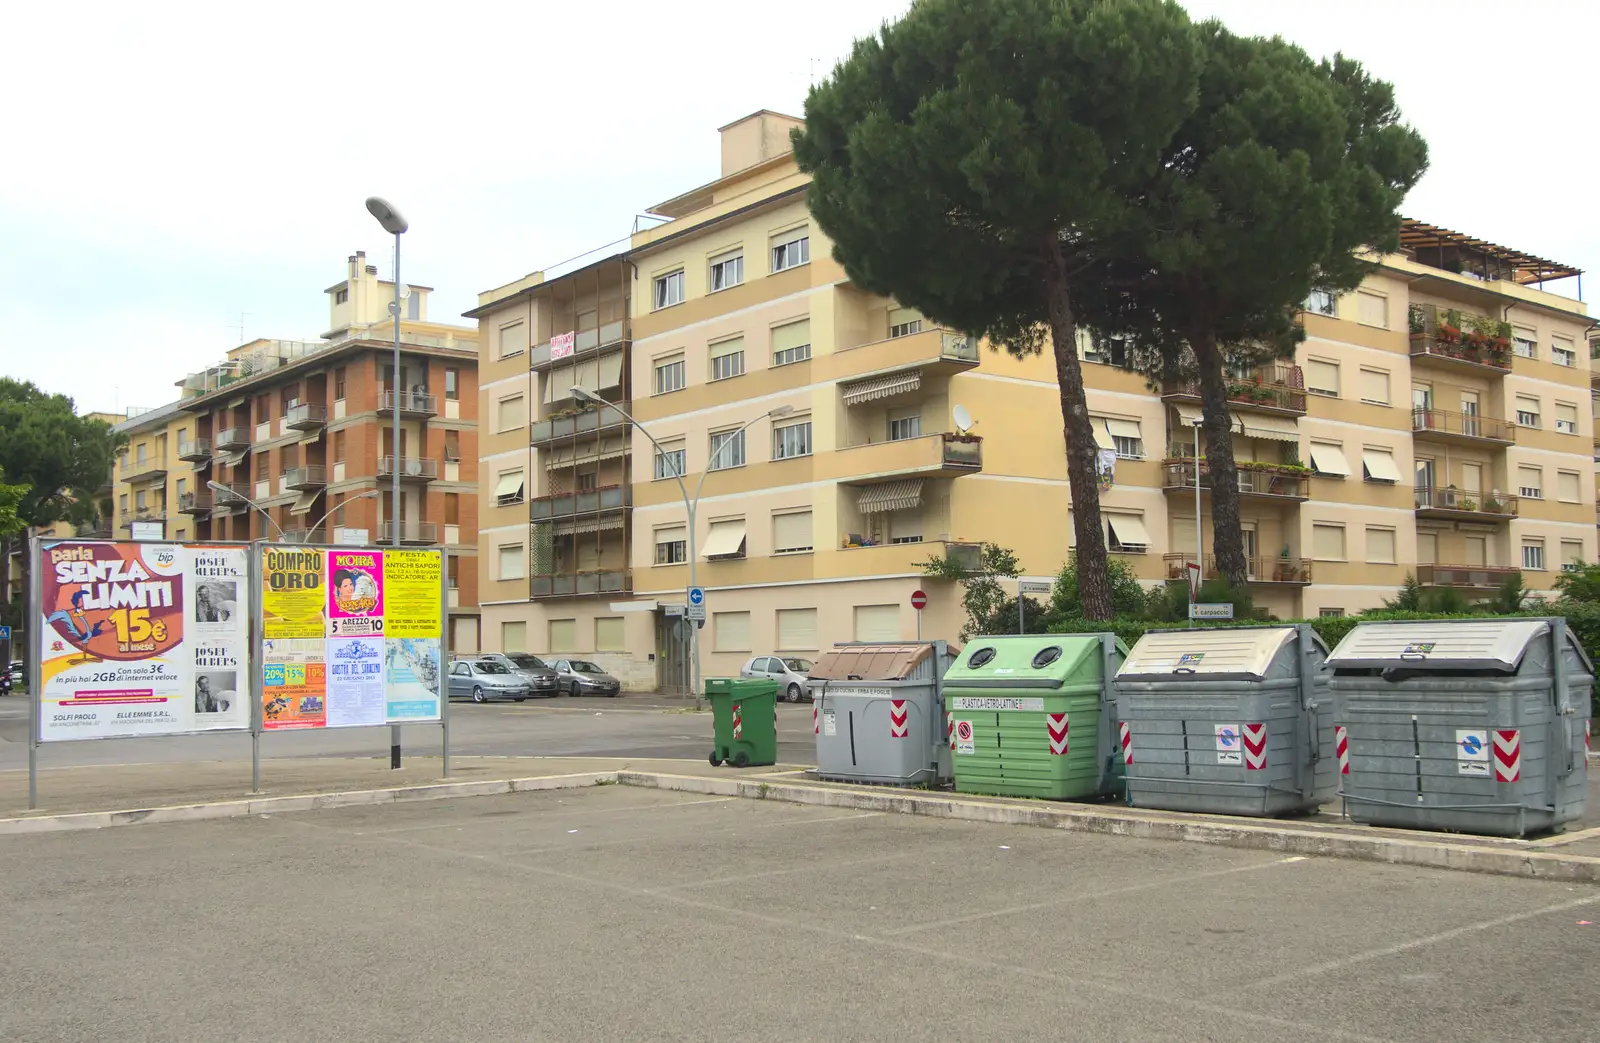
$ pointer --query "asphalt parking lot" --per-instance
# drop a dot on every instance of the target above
(615, 913)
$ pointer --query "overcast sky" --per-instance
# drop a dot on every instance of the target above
(169, 167)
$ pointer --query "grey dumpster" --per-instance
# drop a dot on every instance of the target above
(1469, 725)
(880, 712)
(1232, 721)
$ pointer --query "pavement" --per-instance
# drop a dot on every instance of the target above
(618, 913)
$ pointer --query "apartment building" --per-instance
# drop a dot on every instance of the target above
(1430, 424)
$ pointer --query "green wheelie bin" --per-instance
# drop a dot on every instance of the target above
(744, 721)
(1034, 716)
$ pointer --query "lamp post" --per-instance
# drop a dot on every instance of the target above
(368, 495)
(690, 504)
(218, 487)
(395, 225)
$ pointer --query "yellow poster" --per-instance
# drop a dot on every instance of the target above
(413, 589)
(292, 594)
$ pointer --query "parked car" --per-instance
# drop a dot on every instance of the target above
(541, 678)
(581, 677)
(485, 679)
(791, 673)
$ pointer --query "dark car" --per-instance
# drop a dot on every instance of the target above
(540, 677)
(581, 677)
(485, 679)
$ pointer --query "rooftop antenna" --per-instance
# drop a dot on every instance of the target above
(240, 325)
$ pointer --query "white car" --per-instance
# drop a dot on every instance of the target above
(791, 673)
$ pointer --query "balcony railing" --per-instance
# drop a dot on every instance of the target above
(144, 514)
(306, 476)
(411, 468)
(590, 421)
(1457, 339)
(945, 455)
(591, 501)
(307, 416)
(135, 470)
(303, 534)
(585, 343)
(233, 438)
(1279, 387)
(1295, 571)
(232, 495)
(1488, 507)
(608, 581)
(194, 449)
(410, 532)
(1464, 426)
(412, 403)
(196, 502)
(1480, 577)
(1267, 481)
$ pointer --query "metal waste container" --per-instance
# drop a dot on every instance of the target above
(744, 721)
(1030, 715)
(1232, 721)
(1471, 725)
(880, 712)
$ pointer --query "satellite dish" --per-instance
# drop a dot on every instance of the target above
(405, 291)
(963, 418)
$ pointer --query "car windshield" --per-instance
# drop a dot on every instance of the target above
(799, 666)
(489, 666)
(528, 662)
(581, 667)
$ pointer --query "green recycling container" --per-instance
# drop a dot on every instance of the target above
(1034, 716)
(744, 721)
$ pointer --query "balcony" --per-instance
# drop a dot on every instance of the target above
(1450, 340)
(945, 455)
(1439, 425)
(410, 532)
(303, 533)
(580, 584)
(148, 469)
(930, 349)
(411, 469)
(592, 501)
(413, 404)
(1291, 572)
(1469, 577)
(588, 422)
(585, 343)
(197, 504)
(1464, 505)
(232, 439)
(1284, 483)
(307, 416)
(144, 514)
(304, 477)
(231, 497)
(1278, 388)
(195, 450)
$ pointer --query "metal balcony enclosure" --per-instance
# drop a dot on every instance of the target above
(232, 438)
(590, 421)
(1256, 480)
(591, 501)
(412, 404)
(307, 416)
(136, 470)
(410, 532)
(303, 534)
(306, 476)
(1464, 505)
(231, 497)
(195, 449)
(196, 503)
(1441, 425)
(1476, 577)
(1278, 388)
(586, 342)
(1263, 570)
(606, 581)
(411, 469)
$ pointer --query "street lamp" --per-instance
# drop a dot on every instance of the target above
(690, 504)
(218, 487)
(368, 495)
(395, 225)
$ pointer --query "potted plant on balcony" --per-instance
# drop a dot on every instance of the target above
(1493, 505)
(1418, 319)
(1263, 393)
(1467, 505)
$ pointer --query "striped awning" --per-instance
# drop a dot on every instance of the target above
(574, 526)
(1278, 428)
(891, 496)
(232, 459)
(882, 387)
(1191, 416)
(561, 456)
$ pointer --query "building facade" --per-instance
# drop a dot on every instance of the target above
(1430, 424)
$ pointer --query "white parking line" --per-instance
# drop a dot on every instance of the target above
(544, 815)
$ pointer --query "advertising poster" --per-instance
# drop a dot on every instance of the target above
(412, 582)
(142, 639)
(292, 593)
(355, 682)
(294, 690)
(355, 593)
(412, 675)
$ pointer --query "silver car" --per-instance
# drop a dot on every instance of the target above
(541, 679)
(791, 673)
(581, 677)
(484, 680)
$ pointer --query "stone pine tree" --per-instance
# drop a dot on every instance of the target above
(1286, 177)
(973, 159)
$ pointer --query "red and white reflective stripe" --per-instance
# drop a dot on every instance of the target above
(1127, 743)
(1507, 755)
(950, 728)
(899, 720)
(738, 720)
(816, 722)
(1341, 743)
(1255, 747)
(1586, 725)
(1056, 724)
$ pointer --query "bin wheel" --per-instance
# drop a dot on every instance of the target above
(716, 762)
(794, 693)
(741, 760)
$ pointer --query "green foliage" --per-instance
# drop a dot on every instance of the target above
(1509, 598)
(62, 458)
(11, 497)
(1580, 586)
(1128, 597)
(981, 593)
(1170, 604)
(1410, 597)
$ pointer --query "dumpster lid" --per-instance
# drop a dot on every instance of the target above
(1209, 652)
(871, 662)
(1441, 644)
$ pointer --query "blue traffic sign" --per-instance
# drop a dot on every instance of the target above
(697, 595)
(5, 633)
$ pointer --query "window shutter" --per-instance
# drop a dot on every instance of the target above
(1380, 546)
(905, 525)
(610, 371)
(512, 415)
(792, 532)
(1567, 486)
(732, 346)
(514, 636)
(791, 335)
(610, 634)
(731, 631)
(1373, 309)
(797, 630)
(1323, 376)
(877, 623)
(1327, 542)
(563, 635)
(1375, 386)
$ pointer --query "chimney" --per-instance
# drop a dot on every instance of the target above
(356, 262)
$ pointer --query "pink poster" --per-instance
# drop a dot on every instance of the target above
(355, 593)
(561, 345)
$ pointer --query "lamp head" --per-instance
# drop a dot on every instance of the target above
(583, 394)
(387, 215)
(780, 411)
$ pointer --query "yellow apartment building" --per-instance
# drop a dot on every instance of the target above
(1431, 423)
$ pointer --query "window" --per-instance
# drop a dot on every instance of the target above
(1533, 555)
(1566, 418)
(341, 295)
(563, 635)
(791, 441)
(730, 631)
(903, 322)
(727, 450)
(727, 358)
(183, 487)
(1320, 302)
(672, 545)
(1380, 545)
(669, 289)
(905, 526)
(791, 533)
(139, 451)
(725, 540)
(1327, 542)
(1126, 534)
(1524, 342)
(797, 629)
(452, 384)
(1568, 489)
(1377, 465)
(513, 638)
(727, 270)
(1571, 555)
(1328, 461)
(1477, 551)
(452, 446)
(139, 499)
(1372, 309)
(610, 634)
(1124, 437)
(791, 342)
(1527, 411)
(1375, 386)
(1322, 378)
(513, 340)
(670, 374)
(511, 561)
(791, 250)
(1331, 613)
(510, 415)
(452, 508)
(905, 423)
(670, 461)
(877, 623)
(122, 503)
(508, 488)
(1562, 353)
(1530, 482)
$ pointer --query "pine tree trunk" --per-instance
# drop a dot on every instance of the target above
(1227, 534)
(7, 548)
(1094, 581)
